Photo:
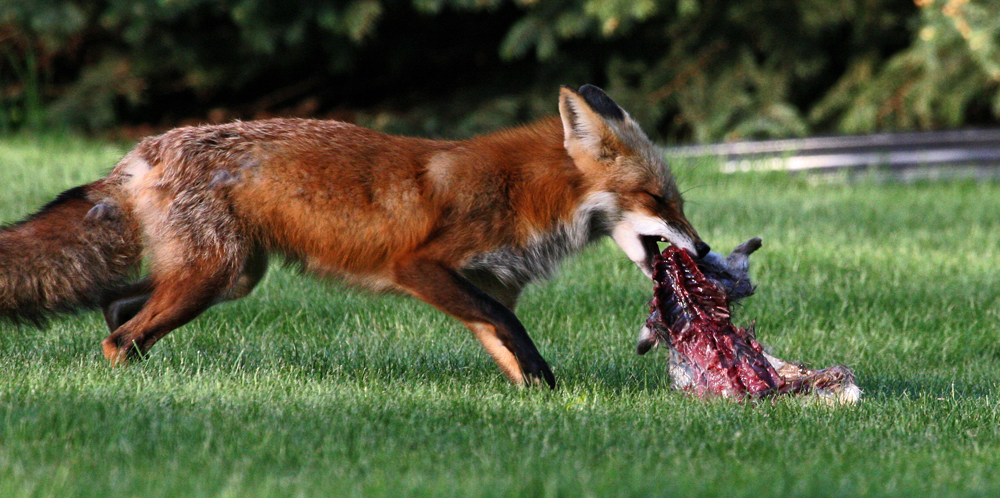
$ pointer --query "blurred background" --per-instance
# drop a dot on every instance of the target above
(691, 71)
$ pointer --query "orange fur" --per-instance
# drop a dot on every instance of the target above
(462, 225)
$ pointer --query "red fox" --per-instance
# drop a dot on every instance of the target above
(461, 225)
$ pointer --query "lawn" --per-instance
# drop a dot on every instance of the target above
(311, 389)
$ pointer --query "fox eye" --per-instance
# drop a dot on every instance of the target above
(658, 198)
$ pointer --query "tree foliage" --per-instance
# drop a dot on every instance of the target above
(699, 70)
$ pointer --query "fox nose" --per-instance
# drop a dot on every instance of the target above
(702, 248)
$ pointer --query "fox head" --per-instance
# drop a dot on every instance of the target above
(617, 159)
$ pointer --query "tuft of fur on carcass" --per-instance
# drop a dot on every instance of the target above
(690, 313)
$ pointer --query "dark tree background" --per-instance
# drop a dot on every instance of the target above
(689, 70)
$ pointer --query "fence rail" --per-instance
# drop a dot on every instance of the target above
(902, 156)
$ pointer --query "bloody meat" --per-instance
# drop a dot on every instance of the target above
(690, 313)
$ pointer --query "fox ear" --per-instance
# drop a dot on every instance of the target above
(585, 116)
(601, 103)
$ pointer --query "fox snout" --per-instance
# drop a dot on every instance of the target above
(638, 234)
(702, 249)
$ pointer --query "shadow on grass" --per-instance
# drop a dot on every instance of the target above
(376, 363)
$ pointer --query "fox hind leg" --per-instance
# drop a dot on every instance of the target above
(178, 296)
(123, 304)
(173, 296)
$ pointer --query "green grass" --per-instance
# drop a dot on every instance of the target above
(306, 389)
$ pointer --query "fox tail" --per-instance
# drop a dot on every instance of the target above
(68, 256)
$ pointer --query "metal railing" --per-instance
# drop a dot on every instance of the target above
(902, 156)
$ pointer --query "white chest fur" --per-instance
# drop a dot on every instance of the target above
(540, 258)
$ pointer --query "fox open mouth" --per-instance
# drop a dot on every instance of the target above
(690, 312)
(650, 244)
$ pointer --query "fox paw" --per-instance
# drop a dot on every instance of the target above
(119, 352)
(538, 374)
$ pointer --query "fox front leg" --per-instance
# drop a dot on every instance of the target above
(494, 325)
